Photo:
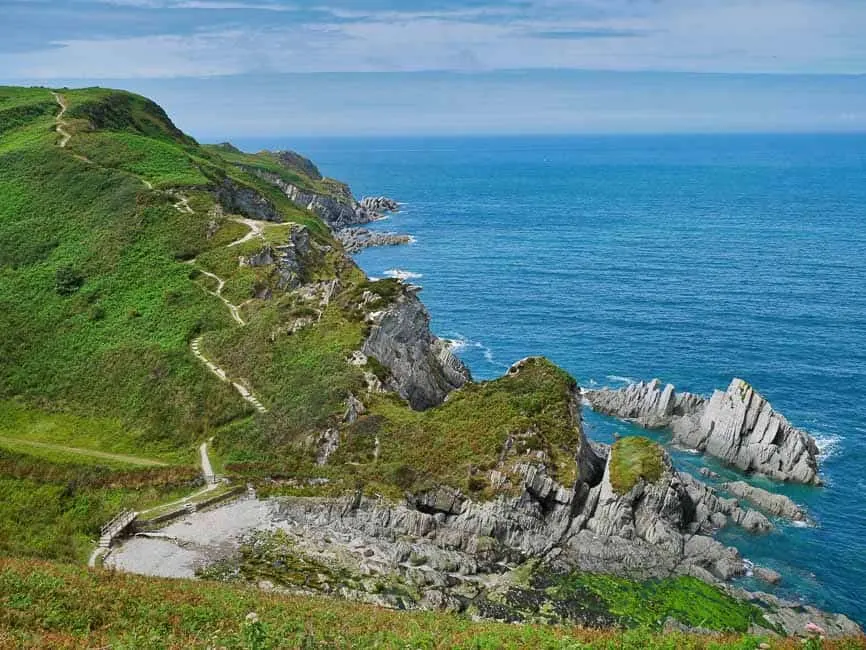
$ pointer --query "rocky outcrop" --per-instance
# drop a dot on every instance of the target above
(357, 239)
(738, 426)
(421, 367)
(441, 549)
(246, 201)
(775, 504)
(288, 258)
(296, 162)
(379, 204)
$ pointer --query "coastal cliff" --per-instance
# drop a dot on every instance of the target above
(175, 298)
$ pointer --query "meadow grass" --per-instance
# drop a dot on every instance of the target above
(48, 605)
(634, 458)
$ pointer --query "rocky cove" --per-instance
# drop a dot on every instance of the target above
(625, 510)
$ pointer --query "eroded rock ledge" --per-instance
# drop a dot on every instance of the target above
(738, 426)
(421, 366)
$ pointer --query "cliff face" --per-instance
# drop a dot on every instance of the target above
(738, 426)
(422, 368)
(338, 209)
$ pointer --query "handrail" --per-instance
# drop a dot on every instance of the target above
(124, 515)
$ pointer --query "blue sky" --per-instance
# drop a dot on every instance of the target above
(313, 67)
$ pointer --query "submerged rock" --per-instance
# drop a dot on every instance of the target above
(738, 426)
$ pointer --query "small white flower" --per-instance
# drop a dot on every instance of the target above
(252, 618)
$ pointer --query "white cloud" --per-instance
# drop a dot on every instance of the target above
(670, 35)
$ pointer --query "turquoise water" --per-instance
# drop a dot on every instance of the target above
(689, 258)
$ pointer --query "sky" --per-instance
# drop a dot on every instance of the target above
(256, 68)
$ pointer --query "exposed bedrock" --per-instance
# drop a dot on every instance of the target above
(357, 239)
(449, 546)
(338, 208)
(738, 426)
(241, 199)
(288, 259)
(421, 366)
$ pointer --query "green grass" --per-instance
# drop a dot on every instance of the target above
(634, 458)
(54, 509)
(468, 433)
(22, 422)
(648, 604)
(48, 605)
(164, 164)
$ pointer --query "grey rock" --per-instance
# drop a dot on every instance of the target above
(289, 259)
(354, 409)
(244, 200)
(775, 504)
(737, 425)
(768, 575)
(422, 368)
(357, 239)
(379, 204)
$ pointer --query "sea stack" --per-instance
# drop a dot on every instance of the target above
(737, 425)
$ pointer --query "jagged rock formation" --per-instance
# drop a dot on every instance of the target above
(241, 199)
(775, 504)
(357, 239)
(421, 367)
(337, 209)
(451, 550)
(379, 204)
(737, 425)
(288, 258)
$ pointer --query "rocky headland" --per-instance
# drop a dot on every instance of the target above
(737, 426)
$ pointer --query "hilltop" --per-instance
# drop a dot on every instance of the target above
(157, 294)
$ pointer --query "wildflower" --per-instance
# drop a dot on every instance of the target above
(253, 618)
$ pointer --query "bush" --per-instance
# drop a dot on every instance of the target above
(67, 281)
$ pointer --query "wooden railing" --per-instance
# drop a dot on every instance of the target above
(118, 523)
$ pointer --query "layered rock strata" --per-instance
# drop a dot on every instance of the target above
(442, 549)
(421, 366)
(738, 426)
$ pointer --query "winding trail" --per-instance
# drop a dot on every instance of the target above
(123, 458)
(234, 309)
(182, 204)
(65, 136)
(257, 229)
(221, 374)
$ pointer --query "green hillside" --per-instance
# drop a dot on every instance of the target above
(156, 294)
(115, 234)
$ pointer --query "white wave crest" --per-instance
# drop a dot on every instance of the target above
(403, 275)
(620, 379)
(828, 444)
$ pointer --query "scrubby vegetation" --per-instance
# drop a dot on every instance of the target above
(632, 459)
(51, 606)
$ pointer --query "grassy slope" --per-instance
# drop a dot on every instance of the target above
(44, 605)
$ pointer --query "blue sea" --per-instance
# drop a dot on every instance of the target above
(689, 258)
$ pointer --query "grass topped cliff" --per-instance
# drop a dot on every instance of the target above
(120, 241)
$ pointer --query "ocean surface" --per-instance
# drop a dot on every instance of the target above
(689, 258)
